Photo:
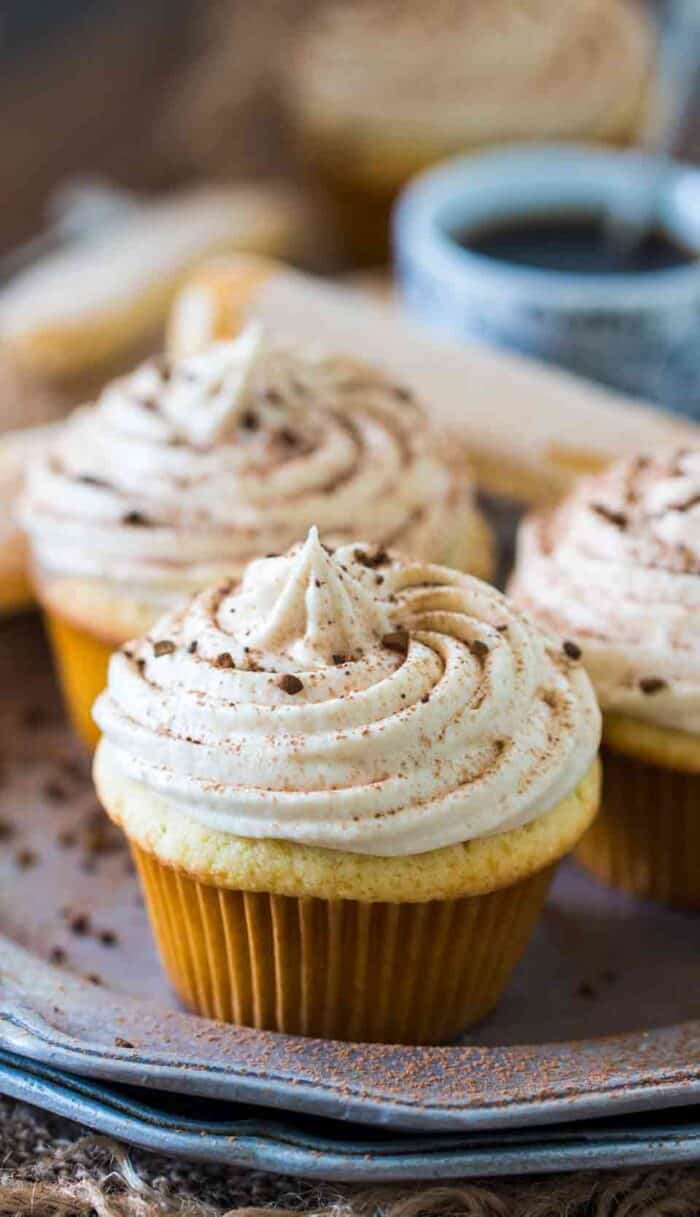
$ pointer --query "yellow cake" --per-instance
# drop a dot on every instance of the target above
(380, 91)
(615, 569)
(347, 780)
(185, 470)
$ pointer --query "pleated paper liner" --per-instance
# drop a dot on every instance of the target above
(339, 969)
(646, 839)
(82, 661)
(16, 594)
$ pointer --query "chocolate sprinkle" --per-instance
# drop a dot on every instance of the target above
(397, 640)
(571, 649)
(136, 519)
(79, 924)
(26, 858)
(54, 792)
(120, 1042)
(379, 558)
(652, 684)
(192, 648)
(618, 518)
(163, 647)
(290, 684)
(339, 659)
(224, 660)
(478, 648)
(88, 479)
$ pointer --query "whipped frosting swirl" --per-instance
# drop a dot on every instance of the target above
(616, 567)
(477, 71)
(349, 700)
(182, 473)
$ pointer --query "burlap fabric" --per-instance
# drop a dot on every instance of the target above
(52, 1168)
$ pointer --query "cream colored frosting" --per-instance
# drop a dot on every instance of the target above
(183, 473)
(17, 449)
(476, 71)
(616, 568)
(349, 700)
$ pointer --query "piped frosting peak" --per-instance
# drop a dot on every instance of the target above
(207, 393)
(309, 606)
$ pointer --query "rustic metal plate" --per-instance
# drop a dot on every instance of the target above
(246, 1136)
(602, 1018)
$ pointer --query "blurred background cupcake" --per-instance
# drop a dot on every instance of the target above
(615, 571)
(382, 89)
(183, 472)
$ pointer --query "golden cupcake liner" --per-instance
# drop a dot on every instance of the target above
(338, 969)
(16, 594)
(82, 661)
(647, 838)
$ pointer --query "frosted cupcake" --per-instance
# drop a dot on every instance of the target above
(184, 472)
(381, 90)
(27, 410)
(616, 571)
(347, 781)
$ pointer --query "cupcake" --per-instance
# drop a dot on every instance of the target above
(347, 780)
(381, 90)
(27, 410)
(615, 570)
(181, 473)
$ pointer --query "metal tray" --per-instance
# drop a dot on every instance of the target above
(602, 1018)
(219, 1132)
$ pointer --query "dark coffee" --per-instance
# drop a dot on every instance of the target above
(573, 244)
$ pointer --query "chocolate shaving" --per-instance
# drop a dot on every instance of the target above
(618, 518)
(652, 684)
(89, 479)
(478, 648)
(54, 792)
(249, 420)
(586, 990)
(192, 648)
(338, 659)
(289, 684)
(26, 859)
(571, 650)
(107, 938)
(136, 519)
(224, 660)
(288, 437)
(379, 558)
(397, 640)
(689, 505)
(163, 647)
(120, 1042)
(79, 924)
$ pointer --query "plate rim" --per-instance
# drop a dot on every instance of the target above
(633, 1072)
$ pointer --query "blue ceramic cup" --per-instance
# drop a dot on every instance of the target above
(635, 331)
